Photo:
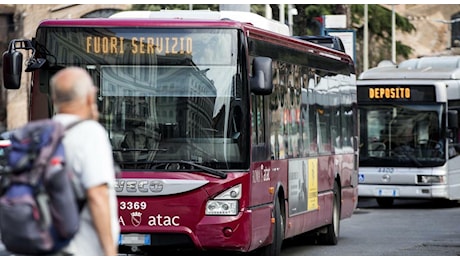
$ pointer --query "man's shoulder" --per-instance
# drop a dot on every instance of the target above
(73, 121)
(89, 128)
(80, 127)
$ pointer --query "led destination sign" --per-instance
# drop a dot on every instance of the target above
(139, 45)
(396, 93)
(120, 46)
(389, 93)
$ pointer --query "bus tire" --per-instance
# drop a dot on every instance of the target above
(385, 202)
(274, 249)
(332, 230)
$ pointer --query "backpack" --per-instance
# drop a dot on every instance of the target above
(40, 198)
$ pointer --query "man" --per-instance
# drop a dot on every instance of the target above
(90, 154)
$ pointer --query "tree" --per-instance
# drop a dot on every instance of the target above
(309, 21)
(379, 24)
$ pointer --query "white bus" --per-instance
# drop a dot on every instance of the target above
(409, 132)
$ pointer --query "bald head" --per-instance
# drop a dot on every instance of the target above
(73, 91)
(70, 84)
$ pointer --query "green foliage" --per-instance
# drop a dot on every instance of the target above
(380, 27)
(258, 9)
(379, 19)
(307, 22)
(403, 49)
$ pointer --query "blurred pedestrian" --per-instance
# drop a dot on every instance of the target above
(89, 152)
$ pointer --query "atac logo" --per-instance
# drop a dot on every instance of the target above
(136, 218)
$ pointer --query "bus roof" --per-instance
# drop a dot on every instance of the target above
(122, 20)
(425, 68)
(447, 62)
(245, 17)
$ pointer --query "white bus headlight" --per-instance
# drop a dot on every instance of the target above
(222, 207)
(430, 179)
(225, 203)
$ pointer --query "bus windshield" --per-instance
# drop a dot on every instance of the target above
(165, 95)
(402, 135)
(167, 118)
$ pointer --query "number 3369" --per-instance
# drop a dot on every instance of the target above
(130, 205)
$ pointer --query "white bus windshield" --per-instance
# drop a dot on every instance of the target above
(402, 135)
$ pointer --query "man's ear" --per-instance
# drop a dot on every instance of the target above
(90, 99)
(92, 105)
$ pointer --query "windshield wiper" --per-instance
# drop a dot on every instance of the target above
(175, 165)
(218, 173)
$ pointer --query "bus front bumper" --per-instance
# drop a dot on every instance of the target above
(403, 192)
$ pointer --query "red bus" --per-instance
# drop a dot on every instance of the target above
(229, 136)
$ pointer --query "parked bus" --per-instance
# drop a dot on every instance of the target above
(229, 136)
(409, 130)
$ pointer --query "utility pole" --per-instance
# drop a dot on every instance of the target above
(366, 40)
(268, 11)
(282, 16)
(393, 34)
(291, 12)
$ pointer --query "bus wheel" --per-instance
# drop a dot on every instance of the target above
(333, 229)
(274, 248)
(385, 202)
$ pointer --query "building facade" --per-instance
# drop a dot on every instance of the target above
(437, 28)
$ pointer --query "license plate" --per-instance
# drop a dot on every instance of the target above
(134, 239)
(388, 192)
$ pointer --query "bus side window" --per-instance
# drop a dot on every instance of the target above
(453, 142)
(259, 151)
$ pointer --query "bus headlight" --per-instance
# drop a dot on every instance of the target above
(431, 179)
(226, 203)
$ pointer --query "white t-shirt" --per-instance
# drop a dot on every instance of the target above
(89, 152)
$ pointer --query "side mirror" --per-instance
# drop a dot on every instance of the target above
(12, 69)
(12, 63)
(262, 76)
